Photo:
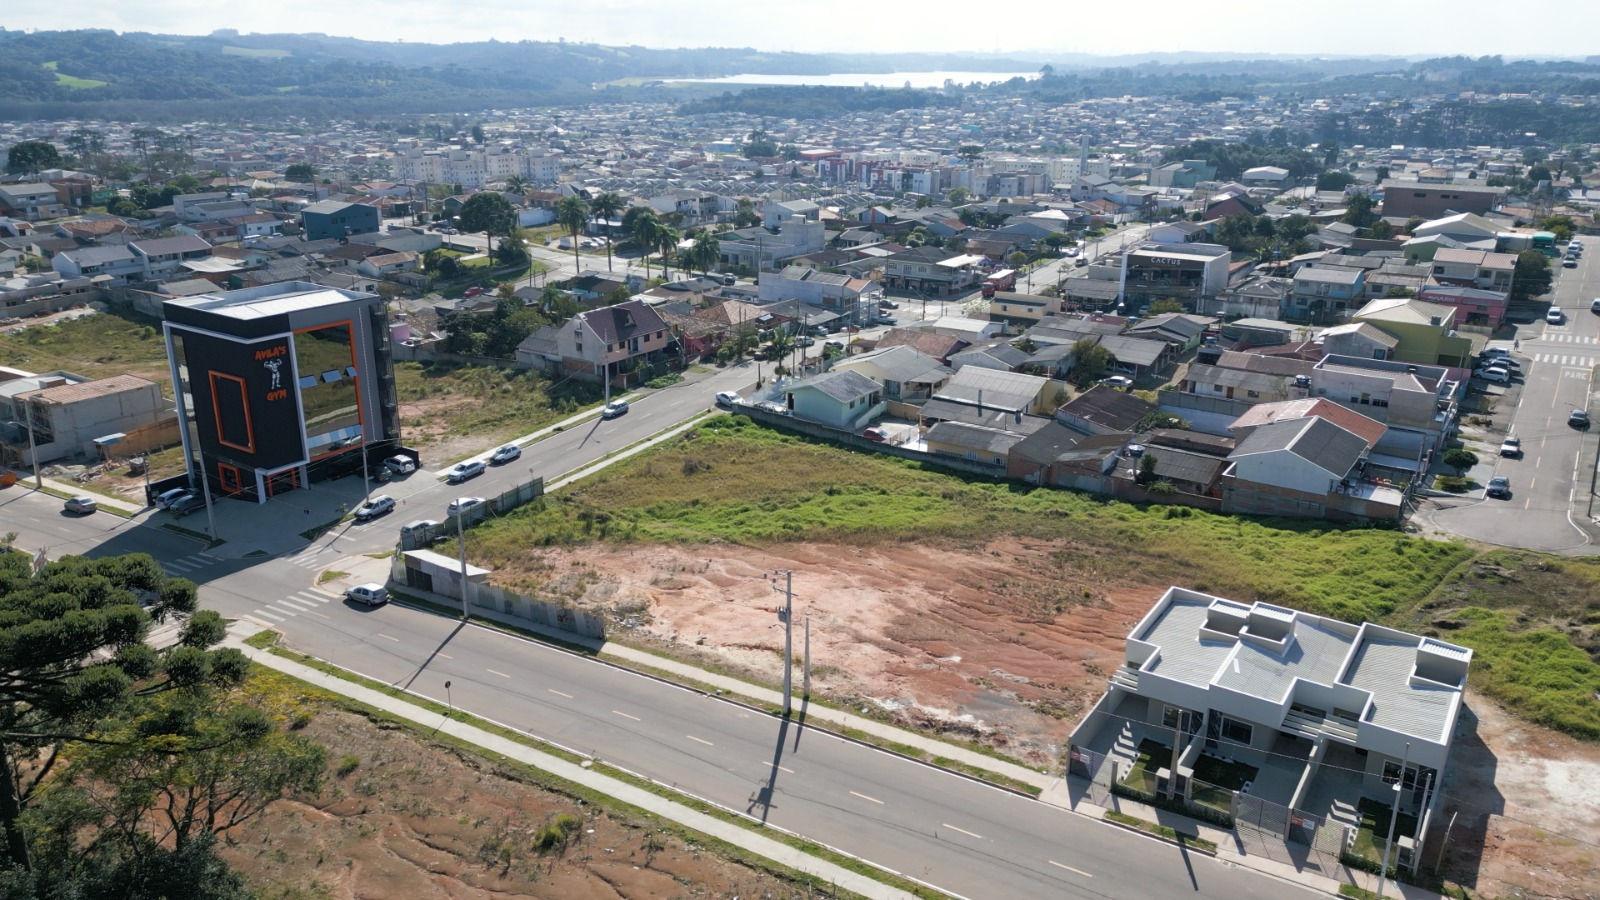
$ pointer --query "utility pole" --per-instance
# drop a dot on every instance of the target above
(787, 615)
(461, 550)
(366, 479)
(205, 490)
(805, 690)
(1394, 817)
(33, 453)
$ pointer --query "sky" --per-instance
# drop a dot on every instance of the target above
(1324, 27)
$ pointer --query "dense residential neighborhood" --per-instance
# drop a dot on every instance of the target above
(1163, 478)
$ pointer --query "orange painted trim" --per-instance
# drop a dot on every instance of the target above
(216, 412)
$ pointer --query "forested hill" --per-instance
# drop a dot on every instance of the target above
(227, 75)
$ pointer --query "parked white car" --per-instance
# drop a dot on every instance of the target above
(370, 594)
(463, 470)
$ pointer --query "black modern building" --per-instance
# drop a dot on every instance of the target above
(281, 385)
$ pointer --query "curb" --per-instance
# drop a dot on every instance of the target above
(1165, 840)
(733, 699)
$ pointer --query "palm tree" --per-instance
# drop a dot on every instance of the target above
(667, 240)
(516, 184)
(706, 250)
(642, 229)
(573, 214)
(603, 207)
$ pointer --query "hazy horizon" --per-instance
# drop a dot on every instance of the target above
(1538, 28)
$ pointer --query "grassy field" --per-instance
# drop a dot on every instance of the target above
(95, 346)
(73, 81)
(732, 480)
(487, 404)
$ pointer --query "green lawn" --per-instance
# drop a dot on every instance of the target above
(1373, 832)
(1221, 778)
(1152, 755)
(94, 346)
(732, 480)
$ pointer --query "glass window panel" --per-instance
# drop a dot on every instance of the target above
(332, 407)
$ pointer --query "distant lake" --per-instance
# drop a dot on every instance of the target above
(873, 79)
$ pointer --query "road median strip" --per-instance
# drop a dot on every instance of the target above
(587, 777)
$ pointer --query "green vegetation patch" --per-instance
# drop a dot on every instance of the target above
(255, 52)
(451, 400)
(1533, 623)
(94, 346)
(73, 81)
(732, 480)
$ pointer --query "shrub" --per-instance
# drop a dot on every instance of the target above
(347, 764)
(556, 833)
(1460, 459)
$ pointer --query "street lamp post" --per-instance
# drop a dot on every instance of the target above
(461, 550)
(1394, 816)
(787, 615)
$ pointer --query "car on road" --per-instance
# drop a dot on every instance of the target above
(411, 533)
(166, 499)
(1494, 374)
(1117, 382)
(888, 304)
(1570, 262)
(1494, 352)
(728, 278)
(614, 408)
(1499, 487)
(727, 399)
(188, 504)
(1071, 251)
(1555, 316)
(1082, 261)
(505, 454)
(1594, 305)
(804, 340)
(400, 465)
(381, 505)
(1579, 419)
(80, 506)
(462, 504)
(1511, 447)
(370, 594)
(461, 471)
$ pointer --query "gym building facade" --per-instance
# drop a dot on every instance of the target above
(280, 386)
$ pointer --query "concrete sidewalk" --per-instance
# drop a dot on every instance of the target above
(74, 490)
(746, 838)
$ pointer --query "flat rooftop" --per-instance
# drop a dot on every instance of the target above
(269, 300)
(1414, 683)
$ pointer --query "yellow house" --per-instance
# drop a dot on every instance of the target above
(1426, 332)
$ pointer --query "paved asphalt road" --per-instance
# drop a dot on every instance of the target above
(1548, 509)
(959, 835)
(962, 836)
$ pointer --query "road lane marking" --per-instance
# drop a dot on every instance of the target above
(865, 797)
(962, 830)
(559, 693)
(1069, 868)
(387, 637)
(699, 740)
(273, 617)
(297, 603)
(493, 672)
(619, 712)
(772, 765)
(444, 656)
(285, 608)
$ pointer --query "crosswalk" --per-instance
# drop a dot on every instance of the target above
(1563, 337)
(306, 601)
(187, 566)
(1565, 359)
(313, 557)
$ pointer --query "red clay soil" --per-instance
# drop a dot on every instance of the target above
(978, 640)
(422, 822)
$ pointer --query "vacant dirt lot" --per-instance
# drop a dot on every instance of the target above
(420, 822)
(962, 637)
(1529, 808)
(968, 639)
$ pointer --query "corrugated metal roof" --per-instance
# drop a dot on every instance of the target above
(1184, 655)
(1383, 666)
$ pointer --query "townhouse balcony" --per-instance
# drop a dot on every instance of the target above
(1314, 724)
